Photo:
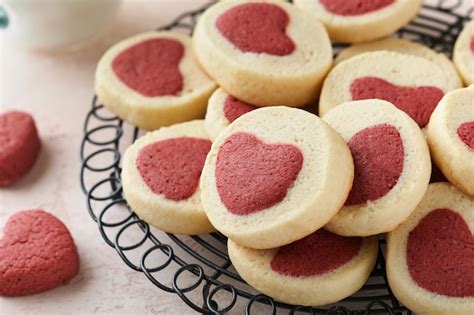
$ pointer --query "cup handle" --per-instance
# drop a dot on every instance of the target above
(3, 18)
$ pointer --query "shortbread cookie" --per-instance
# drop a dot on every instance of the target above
(19, 146)
(37, 253)
(451, 137)
(152, 80)
(160, 178)
(354, 21)
(320, 269)
(430, 257)
(463, 54)
(274, 176)
(259, 51)
(392, 166)
(413, 84)
(408, 47)
(222, 110)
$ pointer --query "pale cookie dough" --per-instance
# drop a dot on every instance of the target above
(155, 95)
(463, 54)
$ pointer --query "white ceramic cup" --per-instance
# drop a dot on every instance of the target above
(56, 24)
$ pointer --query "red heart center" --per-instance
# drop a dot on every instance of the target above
(417, 102)
(354, 7)
(234, 108)
(173, 167)
(315, 254)
(378, 162)
(472, 44)
(252, 175)
(440, 254)
(257, 28)
(466, 134)
(37, 253)
(151, 67)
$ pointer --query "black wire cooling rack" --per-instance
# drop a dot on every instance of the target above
(197, 268)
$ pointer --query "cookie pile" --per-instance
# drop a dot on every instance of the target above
(302, 198)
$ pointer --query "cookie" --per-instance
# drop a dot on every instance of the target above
(451, 138)
(37, 253)
(275, 175)
(392, 166)
(19, 146)
(222, 110)
(259, 52)
(354, 21)
(413, 84)
(320, 269)
(152, 80)
(463, 54)
(430, 257)
(160, 178)
(408, 47)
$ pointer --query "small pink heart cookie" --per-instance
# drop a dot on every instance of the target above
(451, 138)
(353, 21)
(274, 176)
(259, 52)
(19, 146)
(160, 178)
(322, 268)
(430, 256)
(152, 80)
(463, 54)
(37, 253)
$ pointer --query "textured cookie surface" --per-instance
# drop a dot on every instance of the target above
(413, 84)
(152, 80)
(391, 166)
(258, 51)
(353, 21)
(160, 177)
(430, 257)
(463, 54)
(451, 137)
(37, 253)
(19, 146)
(319, 269)
(269, 174)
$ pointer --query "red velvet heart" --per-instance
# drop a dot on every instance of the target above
(173, 167)
(252, 175)
(257, 28)
(354, 7)
(37, 253)
(151, 67)
(440, 254)
(234, 108)
(417, 102)
(466, 134)
(472, 44)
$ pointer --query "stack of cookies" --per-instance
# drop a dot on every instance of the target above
(302, 198)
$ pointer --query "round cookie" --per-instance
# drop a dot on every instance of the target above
(160, 178)
(408, 47)
(430, 257)
(463, 54)
(413, 84)
(320, 269)
(222, 110)
(275, 175)
(152, 80)
(19, 146)
(37, 253)
(354, 21)
(451, 138)
(259, 52)
(392, 166)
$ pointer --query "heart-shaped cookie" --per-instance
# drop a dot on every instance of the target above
(354, 7)
(151, 67)
(257, 28)
(417, 102)
(252, 175)
(37, 253)
(466, 134)
(172, 167)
